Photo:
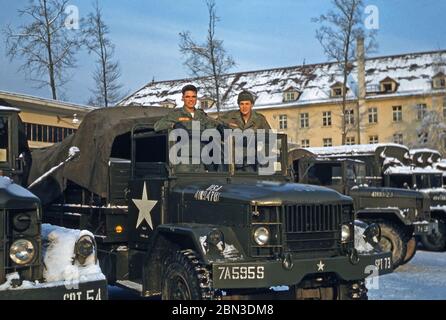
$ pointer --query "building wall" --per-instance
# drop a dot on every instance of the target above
(385, 128)
(46, 121)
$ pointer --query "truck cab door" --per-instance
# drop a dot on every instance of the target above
(148, 186)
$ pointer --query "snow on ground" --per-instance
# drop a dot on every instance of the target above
(423, 278)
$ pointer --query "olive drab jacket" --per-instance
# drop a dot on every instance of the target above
(185, 118)
(234, 120)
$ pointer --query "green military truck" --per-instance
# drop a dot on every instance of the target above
(35, 259)
(204, 231)
(400, 213)
(426, 172)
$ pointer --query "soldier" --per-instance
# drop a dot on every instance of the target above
(245, 117)
(183, 117)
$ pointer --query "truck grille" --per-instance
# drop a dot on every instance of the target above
(312, 228)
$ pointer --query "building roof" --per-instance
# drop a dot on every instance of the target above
(22, 100)
(413, 72)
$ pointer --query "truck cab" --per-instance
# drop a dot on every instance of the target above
(207, 230)
(25, 247)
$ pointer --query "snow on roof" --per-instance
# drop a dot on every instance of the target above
(358, 149)
(423, 150)
(410, 170)
(4, 108)
(413, 72)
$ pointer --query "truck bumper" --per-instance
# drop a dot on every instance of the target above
(265, 274)
(59, 290)
(425, 227)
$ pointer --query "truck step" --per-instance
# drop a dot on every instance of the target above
(126, 284)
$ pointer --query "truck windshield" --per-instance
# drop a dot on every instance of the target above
(4, 139)
(356, 172)
(426, 181)
(325, 174)
(401, 181)
(248, 154)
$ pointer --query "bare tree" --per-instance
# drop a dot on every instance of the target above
(47, 44)
(208, 61)
(339, 28)
(108, 89)
(431, 131)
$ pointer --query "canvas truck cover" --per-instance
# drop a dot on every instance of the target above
(94, 138)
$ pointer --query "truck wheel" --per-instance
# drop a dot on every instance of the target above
(352, 290)
(184, 278)
(411, 250)
(437, 241)
(393, 240)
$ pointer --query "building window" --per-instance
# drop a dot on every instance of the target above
(421, 111)
(326, 118)
(439, 81)
(373, 115)
(398, 138)
(205, 104)
(290, 96)
(349, 141)
(304, 120)
(444, 107)
(305, 143)
(328, 142)
(44, 133)
(373, 139)
(337, 92)
(349, 117)
(283, 121)
(387, 87)
(397, 113)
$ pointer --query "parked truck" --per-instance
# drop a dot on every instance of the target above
(203, 231)
(400, 213)
(38, 261)
(390, 165)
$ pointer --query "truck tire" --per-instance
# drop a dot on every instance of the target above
(435, 242)
(411, 250)
(393, 239)
(184, 278)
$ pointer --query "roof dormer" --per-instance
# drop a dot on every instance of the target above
(439, 81)
(337, 90)
(388, 85)
(206, 103)
(168, 103)
(291, 94)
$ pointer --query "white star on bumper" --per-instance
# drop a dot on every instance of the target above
(320, 266)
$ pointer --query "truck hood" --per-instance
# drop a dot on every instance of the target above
(13, 196)
(260, 192)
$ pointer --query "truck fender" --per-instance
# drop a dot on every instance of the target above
(383, 213)
(169, 238)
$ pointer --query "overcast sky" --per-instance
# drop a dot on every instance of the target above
(259, 34)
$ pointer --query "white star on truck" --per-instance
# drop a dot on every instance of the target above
(145, 207)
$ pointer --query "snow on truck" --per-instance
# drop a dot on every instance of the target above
(38, 261)
(202, 231)
(402, 214)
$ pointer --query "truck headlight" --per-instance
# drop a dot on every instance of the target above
(261, 236)
(84, 248)
(22, 251)
(345, 233)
